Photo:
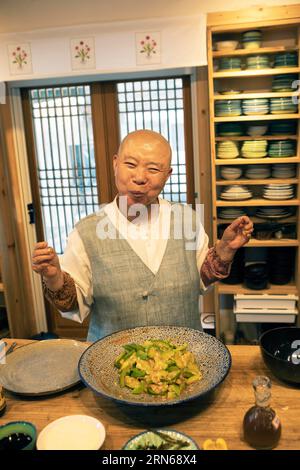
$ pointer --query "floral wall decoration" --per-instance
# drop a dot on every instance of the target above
(148, 48)
(19, 57)
(83, 53)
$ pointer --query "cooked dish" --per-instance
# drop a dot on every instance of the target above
(157, 367)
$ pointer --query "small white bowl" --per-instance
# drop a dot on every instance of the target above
(75, 432)
(226, 45)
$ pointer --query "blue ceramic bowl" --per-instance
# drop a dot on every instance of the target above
(97, 370)
(150, 440)
(17, 435)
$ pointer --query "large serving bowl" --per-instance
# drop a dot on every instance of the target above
(97, 370)
(280, 350)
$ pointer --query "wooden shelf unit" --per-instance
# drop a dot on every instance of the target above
(256, 72)
(259, 50)
(281, 36)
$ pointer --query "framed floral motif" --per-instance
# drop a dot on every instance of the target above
(19, 57)
(148, 48)
(83, 53)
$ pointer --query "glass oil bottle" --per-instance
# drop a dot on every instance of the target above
(262, 427)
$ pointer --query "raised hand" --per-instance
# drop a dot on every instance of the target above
(46, 263)
(236, 235)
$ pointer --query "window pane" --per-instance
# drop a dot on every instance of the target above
(158, 105)
(63, 133)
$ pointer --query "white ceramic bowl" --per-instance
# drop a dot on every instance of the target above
(74, 432)
(226, 45)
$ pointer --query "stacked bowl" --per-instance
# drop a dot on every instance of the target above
(258, 172)
(258, 62)
(236, 192)
(281, 262)
(282, 148)
(231, 172)
(255, 106)
(283, 105)
(284, 82)
(231, 213)
(283, 127)
(254, 148)
(226, 45)
(230, 63)
(283, 170)
(251, 39)
(273, 212)
(257, 129)
(256, 275)
(278, 191)
(230, 129)
(286, 59)
(228, 108)
(227, 149)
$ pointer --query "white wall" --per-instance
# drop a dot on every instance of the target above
(27, 15)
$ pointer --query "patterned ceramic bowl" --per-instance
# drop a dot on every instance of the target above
(161, 439)
(97, 370)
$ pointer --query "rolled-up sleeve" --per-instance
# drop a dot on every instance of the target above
(211, 268)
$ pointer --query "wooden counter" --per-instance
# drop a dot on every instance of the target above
(218, 415)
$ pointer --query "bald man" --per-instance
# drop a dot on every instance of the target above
(125, 265)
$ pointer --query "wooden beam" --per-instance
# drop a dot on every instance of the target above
(204, 166)
(254, 14)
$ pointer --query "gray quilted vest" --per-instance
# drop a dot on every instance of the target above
(127, 293)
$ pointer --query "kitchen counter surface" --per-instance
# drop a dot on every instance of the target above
(218, 415)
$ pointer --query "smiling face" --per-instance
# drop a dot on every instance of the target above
(142, 167)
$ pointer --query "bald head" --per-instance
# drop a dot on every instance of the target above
(147, 141)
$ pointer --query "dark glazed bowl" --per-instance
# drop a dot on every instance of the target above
(280, 349)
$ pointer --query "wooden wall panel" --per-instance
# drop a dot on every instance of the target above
(16, 274)
(204, 165)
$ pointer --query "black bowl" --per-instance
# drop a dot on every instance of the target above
(280, 349)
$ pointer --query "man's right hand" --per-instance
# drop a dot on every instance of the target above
(46, 263)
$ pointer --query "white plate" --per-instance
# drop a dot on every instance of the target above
(74, 432)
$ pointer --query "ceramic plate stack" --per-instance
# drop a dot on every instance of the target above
(231, 172)
(283, 170)
(283, 127)
(278, 191)
(255, 106)
(251, 39)
(283, 106)
(236, 192)
(286, 59)
(258, 62)
(231, 212)
(254, 172)
(227, 149)
(228, 108)
(284, 82)
(273, 212)
(230, 63)
(254, 148)
(282, 148)
(230, 129)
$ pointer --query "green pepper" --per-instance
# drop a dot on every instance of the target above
(187, 374)
(142, 355)
(119, 358)
(123, 375)
(139, 389)
(135, 372)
